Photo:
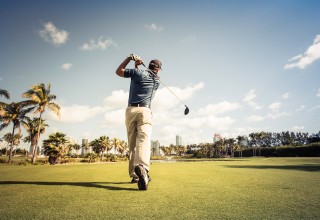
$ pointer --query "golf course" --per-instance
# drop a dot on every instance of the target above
(247, 188)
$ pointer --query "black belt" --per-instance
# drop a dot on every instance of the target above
(139, 105)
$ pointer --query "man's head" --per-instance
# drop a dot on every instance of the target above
(155, 65)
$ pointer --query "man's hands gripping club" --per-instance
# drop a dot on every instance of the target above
(122, 67)
(137, 60)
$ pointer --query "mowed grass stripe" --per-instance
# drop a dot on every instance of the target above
(255, 188)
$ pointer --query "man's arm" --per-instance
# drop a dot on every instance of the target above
(122, 67)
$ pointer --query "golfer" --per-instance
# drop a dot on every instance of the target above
(139, 116)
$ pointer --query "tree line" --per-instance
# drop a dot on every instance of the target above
(57, 146)
(254, 142)
(39, 99)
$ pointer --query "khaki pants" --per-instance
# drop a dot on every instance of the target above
(139, 128)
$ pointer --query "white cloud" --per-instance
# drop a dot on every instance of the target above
(318, 94)
(218, 108)
(115, 118)
(189, 39)
(314, 108)
(285, 95)
(250, 96)
(255, 118)
(297, 128)
(275, 107)
(278, 115)
(117, 99)
(76, 113)
(52, 34)
(154, 27)
(301, 108)
(165, 100)
(66, 66)
(101, 44)
(301, 61)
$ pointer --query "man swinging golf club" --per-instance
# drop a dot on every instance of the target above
(144, 84)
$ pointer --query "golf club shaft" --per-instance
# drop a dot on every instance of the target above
(163, 84)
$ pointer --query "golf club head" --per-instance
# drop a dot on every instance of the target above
(186, 111)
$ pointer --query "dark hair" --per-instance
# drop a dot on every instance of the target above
(155, 64)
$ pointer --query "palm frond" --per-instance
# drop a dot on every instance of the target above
(55, 108)
(28, 93)
(3, 126)
(4, 93)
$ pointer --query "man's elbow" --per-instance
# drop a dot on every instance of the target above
(120, 72)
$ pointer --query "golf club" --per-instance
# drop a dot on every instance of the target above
(186, 111)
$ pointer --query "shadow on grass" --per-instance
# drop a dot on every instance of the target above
(100, 185)
(302, 167)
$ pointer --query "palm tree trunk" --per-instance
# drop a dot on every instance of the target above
(11, 147)
(34, 150)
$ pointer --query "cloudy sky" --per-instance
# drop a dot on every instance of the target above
(240, 66)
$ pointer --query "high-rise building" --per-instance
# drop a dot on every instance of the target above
(216, 137)
(85, 148)
(155, 148)
(178, 140)
(73, 141)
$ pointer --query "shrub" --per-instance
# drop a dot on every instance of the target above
(2, 160)
(92, 157)
(158, 158)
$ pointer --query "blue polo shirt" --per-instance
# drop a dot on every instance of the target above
(143, 86)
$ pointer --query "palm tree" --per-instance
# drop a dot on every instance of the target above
(55, 147)
(100, 145)
(6, 94)
(41, 97)
(124, 147)
(76, 147)
(85, 146)
(95, 146)
(14, 113)
(253, 143)
(16, 139)
(32, 128)
(105, 143)
(230, 142)
(240, 140)
(116, 144)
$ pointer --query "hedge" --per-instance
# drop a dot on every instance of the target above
(310, 150)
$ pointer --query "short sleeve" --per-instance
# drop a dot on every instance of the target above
(128, 73)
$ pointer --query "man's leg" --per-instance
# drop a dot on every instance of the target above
(132, 136)
(143, 142)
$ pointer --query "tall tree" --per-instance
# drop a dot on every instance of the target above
(32, 128)
(116, 144)
(75, 147)
(16, 139)
(14, 113)
(42, 98)
(100, 145)
(241, 141)
(124, 147)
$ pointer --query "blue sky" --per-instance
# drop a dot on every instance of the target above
(240, 66)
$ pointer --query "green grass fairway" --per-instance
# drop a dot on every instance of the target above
(254, 188)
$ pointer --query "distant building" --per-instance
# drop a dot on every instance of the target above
(85, 148)
(216, 137)
(73, 141)
(155, 148)
(178, 140)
